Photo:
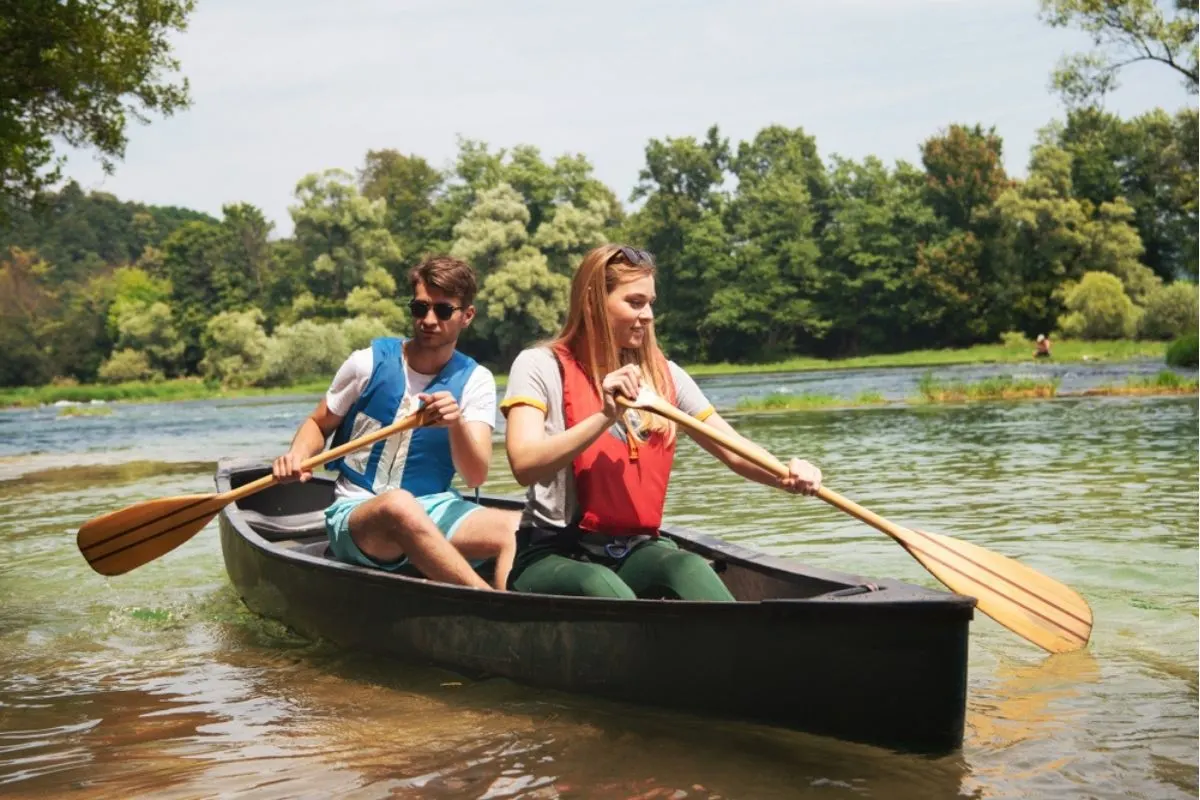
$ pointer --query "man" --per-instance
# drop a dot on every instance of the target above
(393, 502)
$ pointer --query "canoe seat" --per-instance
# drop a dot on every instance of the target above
(278, 527)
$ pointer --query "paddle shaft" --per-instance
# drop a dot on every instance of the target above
(762, 459)
(410, 421)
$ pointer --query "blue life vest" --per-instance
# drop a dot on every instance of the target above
(418, 461)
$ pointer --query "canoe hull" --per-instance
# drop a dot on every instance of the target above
(890, 672)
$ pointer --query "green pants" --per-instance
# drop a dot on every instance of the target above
(653, 569)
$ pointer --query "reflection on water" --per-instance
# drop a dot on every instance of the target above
(248, 706)
(160, 682)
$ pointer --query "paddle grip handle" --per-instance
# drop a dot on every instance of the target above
(413, 420)
(761, 458)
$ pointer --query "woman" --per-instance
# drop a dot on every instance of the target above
(597, 474)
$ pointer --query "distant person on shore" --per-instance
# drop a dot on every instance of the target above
(1043, 347)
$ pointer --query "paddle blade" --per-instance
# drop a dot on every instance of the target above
(1044, 611)
(117, 542)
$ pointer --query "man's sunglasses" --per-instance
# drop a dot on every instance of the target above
(634, 256)
(443, 311)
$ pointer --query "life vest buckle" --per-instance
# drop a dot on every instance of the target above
(617, 549)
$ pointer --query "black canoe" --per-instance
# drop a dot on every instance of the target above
(803, 648)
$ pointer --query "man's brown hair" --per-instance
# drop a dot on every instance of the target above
(447, 275)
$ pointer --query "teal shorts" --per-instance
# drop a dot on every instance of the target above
(446, 509)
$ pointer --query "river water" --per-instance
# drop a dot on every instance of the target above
(159, 682)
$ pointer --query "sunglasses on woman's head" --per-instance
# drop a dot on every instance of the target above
(442, 311)
(634, 256)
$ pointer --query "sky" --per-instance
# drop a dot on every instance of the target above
(282, 88)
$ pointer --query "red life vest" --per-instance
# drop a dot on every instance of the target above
(620, 486)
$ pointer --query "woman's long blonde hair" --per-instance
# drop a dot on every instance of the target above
(588, 334)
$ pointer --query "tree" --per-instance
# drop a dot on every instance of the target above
(546, 187)
(214, 267)
(80, 234)
(243, 271)
(83, 339)
(961, 286)
(128, 365)
(542, 187)
(133, 290)
(304, 350)
(341, 234)
(778, 151)
(1151, 162)
(140, 319)
(189, 259)
(495, 227)
(774, 222)
(78, 71)
(520, 297)
(410, 188)
(569, 233)
(965, 173)
(522, 301)
(27, 312)
(151, 330)
(703, 266)
(476, 169)
(681, 185)
(534, 180)
(373, 299)
(1171, 311)
(1112, 245)
(235, 346)
(1098, 308)
(877, 222)
(1124, 32)
(358, 332)
(578, 186)
(952, 303)
(1046, 237)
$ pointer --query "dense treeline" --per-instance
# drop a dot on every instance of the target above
(766, 249)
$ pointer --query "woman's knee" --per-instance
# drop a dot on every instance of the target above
(555, 574)
(684, 565)
(600, 581)
(680, 574)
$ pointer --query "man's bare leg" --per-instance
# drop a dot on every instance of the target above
(490, 533)
(394, 524)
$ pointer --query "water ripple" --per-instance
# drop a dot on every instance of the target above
(161, 683)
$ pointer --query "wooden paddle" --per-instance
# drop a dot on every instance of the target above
(1044, 611)
(117, 542)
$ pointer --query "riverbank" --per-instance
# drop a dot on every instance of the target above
(176, 389)
(932, 391)
(1065, 351)
(196, 389)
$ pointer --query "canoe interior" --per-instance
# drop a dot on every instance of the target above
(291, 515)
